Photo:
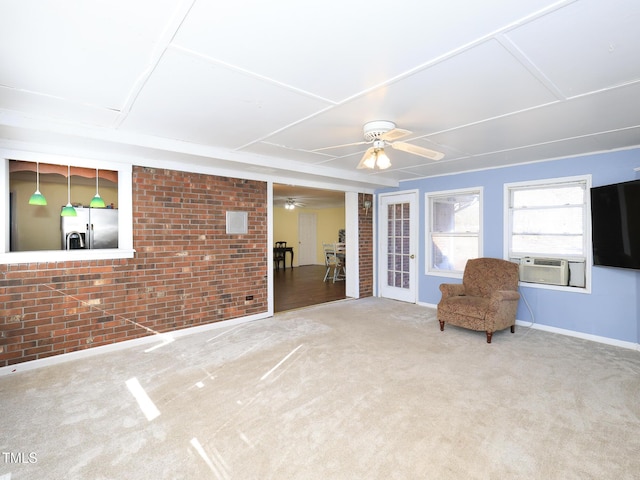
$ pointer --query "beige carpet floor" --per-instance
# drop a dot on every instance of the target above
(357, 389)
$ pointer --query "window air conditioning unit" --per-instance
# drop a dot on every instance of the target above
(551, 271)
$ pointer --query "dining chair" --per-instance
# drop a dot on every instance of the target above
(279, 254)
(334, 260)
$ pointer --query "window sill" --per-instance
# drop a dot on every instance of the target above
(48, 256)
(445, 273)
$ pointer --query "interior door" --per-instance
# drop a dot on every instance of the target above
(397, 234)
(307, 241)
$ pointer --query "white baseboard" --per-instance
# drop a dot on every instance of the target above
(164, 338)
(569, 333)
(429, 305)
(584, 336)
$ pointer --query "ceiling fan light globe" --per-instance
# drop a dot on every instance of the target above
(371, 161)
(383, 161)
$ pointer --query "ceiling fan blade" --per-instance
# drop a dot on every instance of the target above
(416, 150)
(365, 156)
(395, 134)
(338, 146)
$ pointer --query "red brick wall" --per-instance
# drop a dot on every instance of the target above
(365, 246)
(187, 271)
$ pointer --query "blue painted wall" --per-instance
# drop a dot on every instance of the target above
(611, 310)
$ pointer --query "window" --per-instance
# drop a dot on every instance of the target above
(548, 219)
(32, 233)
(454, 226)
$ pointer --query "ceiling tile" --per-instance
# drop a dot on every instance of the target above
(585, 46)
(86, 52)
(628, 137)
(487, 80)
(337, 49)
(582, 116)
(192, 99)
(506, 158)
(282, 152)
(45, 106)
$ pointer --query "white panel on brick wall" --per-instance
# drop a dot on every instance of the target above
(237, 222)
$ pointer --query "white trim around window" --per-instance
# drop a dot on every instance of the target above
(471, 234)
(125, 211)
(579, 257)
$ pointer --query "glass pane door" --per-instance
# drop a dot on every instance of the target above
(398, 242)
(397, 235)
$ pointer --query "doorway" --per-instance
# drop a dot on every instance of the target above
(305, 217)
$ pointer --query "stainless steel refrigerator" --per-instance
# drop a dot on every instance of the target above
(91, 228)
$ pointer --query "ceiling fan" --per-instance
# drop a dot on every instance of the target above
(382, 133)
(290, 204)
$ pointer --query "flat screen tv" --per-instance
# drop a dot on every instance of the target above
(615, 223)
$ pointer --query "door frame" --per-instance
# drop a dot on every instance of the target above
(352, 209)
(412, 196)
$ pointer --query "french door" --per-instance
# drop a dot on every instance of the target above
(397, 235)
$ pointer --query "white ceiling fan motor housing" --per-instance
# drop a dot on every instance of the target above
(373, 130)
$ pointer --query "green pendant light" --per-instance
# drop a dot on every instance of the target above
(68, 210)
(97, 201)
(37, 198)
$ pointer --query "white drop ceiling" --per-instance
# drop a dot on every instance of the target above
(260, 86)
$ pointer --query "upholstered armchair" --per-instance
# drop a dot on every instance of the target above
(487, 299)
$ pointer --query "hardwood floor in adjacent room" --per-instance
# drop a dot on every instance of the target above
(303, 286)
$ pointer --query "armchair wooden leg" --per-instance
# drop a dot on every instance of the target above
(489, 335)
(513, 329)
(441, 326)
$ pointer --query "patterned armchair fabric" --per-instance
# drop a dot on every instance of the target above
(487, 299)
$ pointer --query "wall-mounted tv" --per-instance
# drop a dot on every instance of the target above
(615, 223)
